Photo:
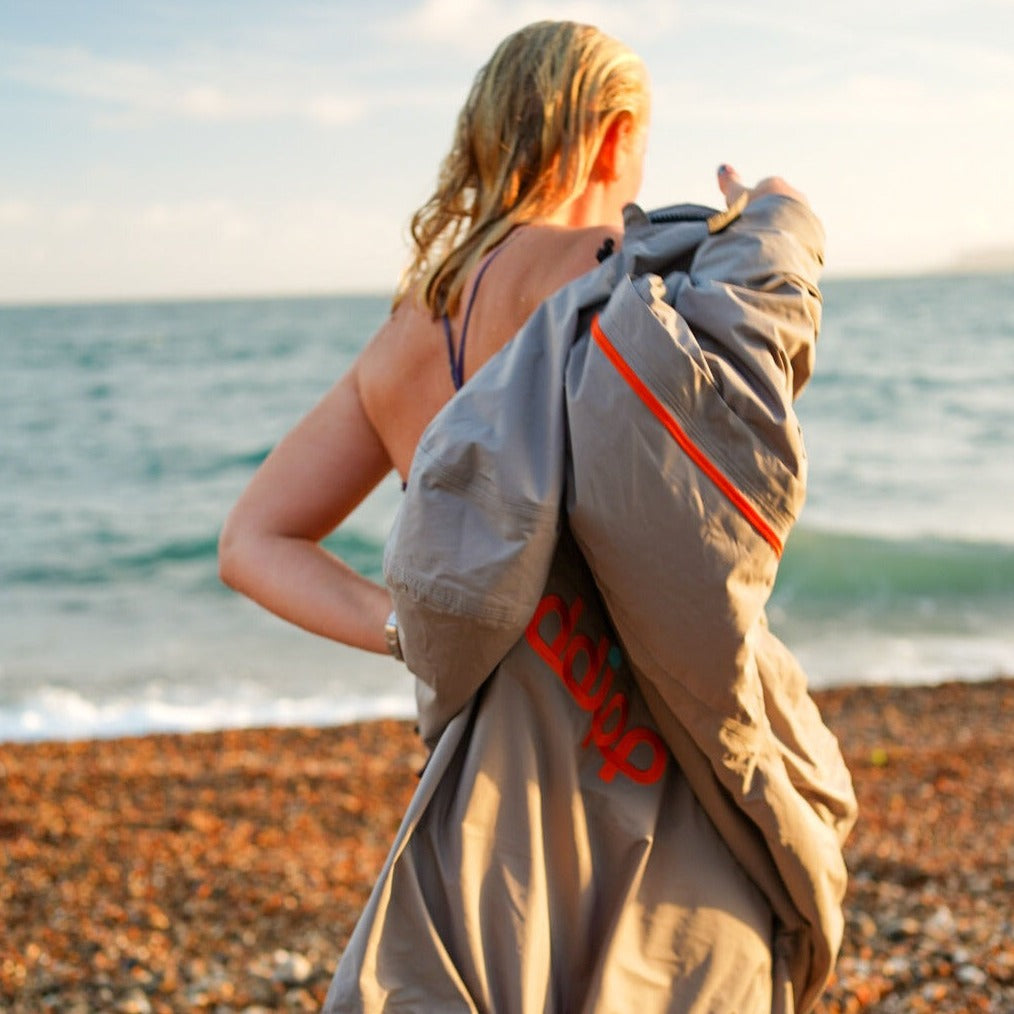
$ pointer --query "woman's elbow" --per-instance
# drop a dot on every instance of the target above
(231, 554)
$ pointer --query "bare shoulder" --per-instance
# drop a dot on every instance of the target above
(396, 338)
(403, 378)
(403, 374)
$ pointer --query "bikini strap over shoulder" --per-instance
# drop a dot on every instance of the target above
(457, 357)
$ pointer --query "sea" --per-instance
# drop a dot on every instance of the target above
(127, 430)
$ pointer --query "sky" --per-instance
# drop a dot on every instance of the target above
(197, 148)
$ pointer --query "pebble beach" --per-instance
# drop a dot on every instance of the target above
(224, 871)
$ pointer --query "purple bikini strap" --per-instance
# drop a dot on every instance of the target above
(458, 360)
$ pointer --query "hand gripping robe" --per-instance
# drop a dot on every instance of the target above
(632, 803)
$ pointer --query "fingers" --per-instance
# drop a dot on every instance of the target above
(732, 187)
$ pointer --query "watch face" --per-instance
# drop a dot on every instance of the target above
(392, 638)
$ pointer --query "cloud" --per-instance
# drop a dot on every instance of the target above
(473, 30)
(206, 102)
(333, 110)
(863, 99)
(15, 213)
(212, 88)
(219, 218)
(24, 217)
(210, 246)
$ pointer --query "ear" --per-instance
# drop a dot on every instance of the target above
(615, 148)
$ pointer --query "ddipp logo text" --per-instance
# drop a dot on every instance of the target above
(588, 670)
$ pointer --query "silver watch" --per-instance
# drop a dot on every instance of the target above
(392, 638)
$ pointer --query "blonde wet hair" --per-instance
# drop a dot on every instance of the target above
(524, 145)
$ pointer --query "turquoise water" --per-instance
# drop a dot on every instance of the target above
(129, 430)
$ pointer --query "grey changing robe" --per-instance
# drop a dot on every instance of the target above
(632, 803)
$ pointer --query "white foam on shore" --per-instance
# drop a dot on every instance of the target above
(863, 657)
(58, 713)
(195, 675)
(375, 687)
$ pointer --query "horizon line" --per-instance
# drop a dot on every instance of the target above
(81, 300)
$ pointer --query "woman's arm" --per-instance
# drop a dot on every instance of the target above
(269, 548)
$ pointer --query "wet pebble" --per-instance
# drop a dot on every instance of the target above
(970, 975)
(292, 969)
(900, 928)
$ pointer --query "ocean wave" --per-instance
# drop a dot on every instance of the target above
(194, 560)
(821, 567)
(243, 461)
(861, 608)
(91, 568)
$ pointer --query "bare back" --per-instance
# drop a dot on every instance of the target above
(404, 375)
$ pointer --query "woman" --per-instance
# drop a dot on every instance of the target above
(549, 193)
(538, 177)
(536, 870)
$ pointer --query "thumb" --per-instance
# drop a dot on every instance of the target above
(729, 183)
